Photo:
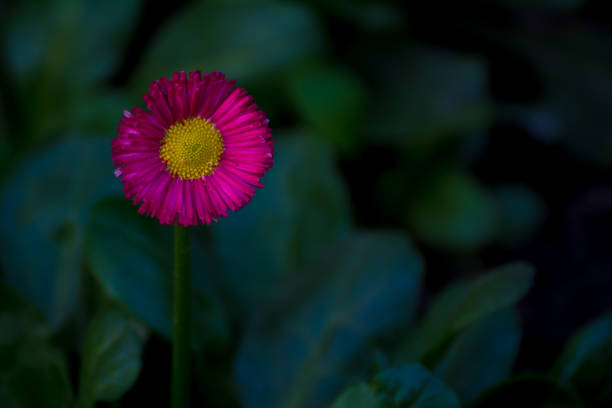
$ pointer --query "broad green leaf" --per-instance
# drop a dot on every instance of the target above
(20, 322)
(528, 391)
(522, 212)
(131, 256)
(56, 48)
(43, 210)
(111, 358)
(16, 328)
(359, 396)
(332, 100)
(408, 386)
(413, 386)
(38, 378)
(454, 212)
(421, 94)
(464, 303)
(101, 113)
(244, 41)
(368, 286)
(60, 36)
(481, 355)
(586, 362)
(302, 209)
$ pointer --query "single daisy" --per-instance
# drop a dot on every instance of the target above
(200, 150)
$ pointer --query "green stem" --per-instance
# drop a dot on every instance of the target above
(181, 344)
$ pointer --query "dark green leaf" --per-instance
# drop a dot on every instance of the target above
(101, 113)
(419, 94)
(482, 355)
(302, 210)
(61, 36)
(16, 328)
(43, 210)
(409, 386)
(466, 302)
(332, 100)
(55, 48)
(210, 325)
(522, 213)
(20, 322)
(359, 396)
(586, 362)
(39, 378)
(131, 256)
(244, 41)
(11, 301)
(370, 285)
(111, 357)
(529, 391)
(454, 212)
(412, 386)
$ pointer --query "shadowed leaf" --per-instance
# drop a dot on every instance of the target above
(481, 355)
(302, 210)
(38, 378)
(464, 303)
(332, 100)
(131, 256)
(454, 212)
(369, 285)
(586, 362)
(522, 212)
(359, 396)
(412, 386)
(421, 94)
(243, 41)
(408, 386)
(55, 49)
(111, 357)
(44, 208)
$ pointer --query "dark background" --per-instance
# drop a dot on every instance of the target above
(480, 129)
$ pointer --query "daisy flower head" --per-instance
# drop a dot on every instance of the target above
(200, 149)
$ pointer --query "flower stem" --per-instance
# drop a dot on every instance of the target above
(181, 343)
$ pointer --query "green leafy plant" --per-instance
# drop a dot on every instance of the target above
(360, 275)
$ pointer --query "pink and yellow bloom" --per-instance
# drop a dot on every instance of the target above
(200, 150)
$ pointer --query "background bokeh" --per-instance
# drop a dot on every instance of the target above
(422, 149)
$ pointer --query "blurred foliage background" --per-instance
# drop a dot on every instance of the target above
(430, 156)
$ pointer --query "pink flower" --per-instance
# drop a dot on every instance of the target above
(200, 150)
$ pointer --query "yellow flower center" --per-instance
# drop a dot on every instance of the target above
(191, 148)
